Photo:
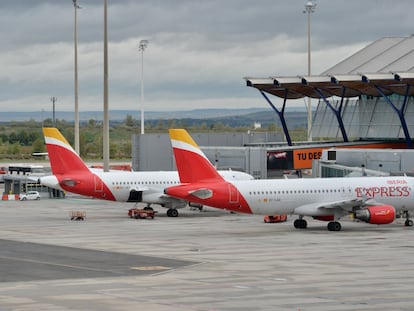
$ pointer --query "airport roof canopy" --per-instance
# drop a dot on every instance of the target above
(385, 66)
(382, 68)
(345, 85)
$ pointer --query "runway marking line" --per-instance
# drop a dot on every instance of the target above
(150, 268)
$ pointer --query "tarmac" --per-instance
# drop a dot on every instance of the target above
(210, 260)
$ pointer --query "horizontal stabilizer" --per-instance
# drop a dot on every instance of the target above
(69, 182)
(202, 193)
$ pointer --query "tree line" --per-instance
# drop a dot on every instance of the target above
(20, 139)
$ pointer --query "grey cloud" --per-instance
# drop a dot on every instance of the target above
(197, 48)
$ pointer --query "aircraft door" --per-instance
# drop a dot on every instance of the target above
(233, 194)
(98, 184)
(135, 196)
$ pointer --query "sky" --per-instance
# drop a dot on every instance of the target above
(198, 51)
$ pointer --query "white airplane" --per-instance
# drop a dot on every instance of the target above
(71, 174)
(375, 200)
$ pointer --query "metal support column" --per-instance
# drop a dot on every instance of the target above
(337, 112)
(400, 112)
(281, 115)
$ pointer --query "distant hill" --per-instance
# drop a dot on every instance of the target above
(118, 115)
(232, 117)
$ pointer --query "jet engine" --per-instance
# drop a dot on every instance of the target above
(376, 214)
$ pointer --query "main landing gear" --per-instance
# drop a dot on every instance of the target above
(334, 226)
(408, 221)
(172, 212)
(148, 208)
(301, 223)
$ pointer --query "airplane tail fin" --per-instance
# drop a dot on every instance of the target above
(192, 164)
(63, 159)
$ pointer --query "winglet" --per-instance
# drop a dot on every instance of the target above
(63, 159)
(191, 162)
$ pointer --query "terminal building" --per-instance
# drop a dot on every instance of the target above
(365, 101)
(22, 178)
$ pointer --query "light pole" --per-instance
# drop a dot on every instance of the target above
(105, 139)
(309, 8)
(142, 46)
(53, 99)
(75, 39)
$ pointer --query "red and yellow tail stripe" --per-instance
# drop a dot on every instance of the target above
(192, 164)
(180, 139)
(71, 172)
(63, 159)
(54, 137)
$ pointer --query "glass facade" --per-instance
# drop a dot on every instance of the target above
(366, 117)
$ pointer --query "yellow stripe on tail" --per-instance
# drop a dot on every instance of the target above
(182, 135)
(53, 132)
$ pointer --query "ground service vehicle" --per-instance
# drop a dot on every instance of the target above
(30, 195)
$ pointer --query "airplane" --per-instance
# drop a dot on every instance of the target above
(71, 174)
(375, 200)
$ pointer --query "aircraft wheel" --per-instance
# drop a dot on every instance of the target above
(408, 223)
(334, 226)
(303, 224)
(296, 223)
(300, 224)
(172, 212)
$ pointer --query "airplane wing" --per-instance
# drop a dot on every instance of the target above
(328, 208)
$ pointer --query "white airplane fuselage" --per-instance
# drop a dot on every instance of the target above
(71, 174)
(292, 196)
(118, 185)
(375, 200)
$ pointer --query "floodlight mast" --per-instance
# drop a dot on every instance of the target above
(53, 99)
(310, 7)
(105, 140)
(141, 47)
